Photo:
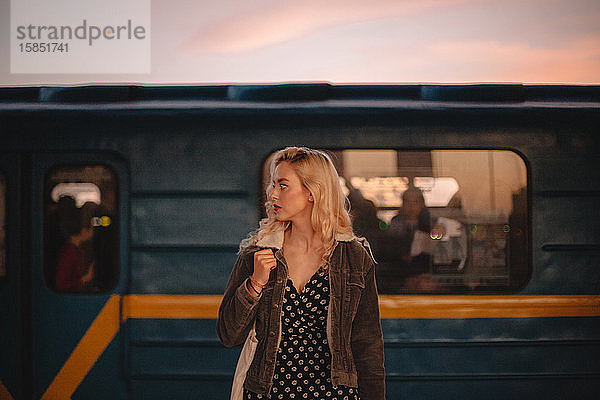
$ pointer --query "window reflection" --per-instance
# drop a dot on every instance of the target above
(440, 221)
(2, 226)
(81, 236)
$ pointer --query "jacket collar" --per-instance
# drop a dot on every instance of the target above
(274, 239)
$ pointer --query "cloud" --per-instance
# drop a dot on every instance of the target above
(575, 61)
(472, 60)
(292, 19)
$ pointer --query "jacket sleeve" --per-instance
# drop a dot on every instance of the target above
(367, 340)
(238, 307)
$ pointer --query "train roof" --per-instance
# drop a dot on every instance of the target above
(298, 94)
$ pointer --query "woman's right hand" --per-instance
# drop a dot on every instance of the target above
(264, 262)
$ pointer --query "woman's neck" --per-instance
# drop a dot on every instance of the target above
(303, 237)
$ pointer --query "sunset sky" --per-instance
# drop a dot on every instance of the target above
(341, 41)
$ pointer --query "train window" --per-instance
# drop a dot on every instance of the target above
(2, 226)
(81, 242)
(440, 221)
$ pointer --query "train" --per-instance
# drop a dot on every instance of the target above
(489, 279)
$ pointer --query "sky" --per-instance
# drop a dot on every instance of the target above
(356, 41)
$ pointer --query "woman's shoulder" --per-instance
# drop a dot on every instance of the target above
(359, 247)
(247, 251)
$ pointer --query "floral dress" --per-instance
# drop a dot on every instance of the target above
(303, 367)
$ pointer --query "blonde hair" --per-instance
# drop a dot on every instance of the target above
(318, 174)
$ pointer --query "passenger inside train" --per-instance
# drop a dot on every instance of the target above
(410, 245)
(74, 263)
(80, 234)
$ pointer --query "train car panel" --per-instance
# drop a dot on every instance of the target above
(501, 355)
(14, 306)
(522, 386)
(190, 169)
(213, 172)
(567, 234)
(191, 359)
(73, 343)
(99, 381)
(190, 221)
(175, 270)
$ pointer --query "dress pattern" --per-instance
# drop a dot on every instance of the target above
(303, 366)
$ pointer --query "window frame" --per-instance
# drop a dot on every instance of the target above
(524, 266)
(117, 165)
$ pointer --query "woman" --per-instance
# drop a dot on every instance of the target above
(307, 285)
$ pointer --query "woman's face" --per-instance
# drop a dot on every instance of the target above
(289, 197)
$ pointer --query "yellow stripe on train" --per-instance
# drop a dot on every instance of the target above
(409, 306)
(4, 393)
(106, 325)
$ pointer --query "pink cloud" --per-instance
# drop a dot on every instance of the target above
(292, 19)
(575, 61)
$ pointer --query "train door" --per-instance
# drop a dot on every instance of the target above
(79, 214)
(11, 327)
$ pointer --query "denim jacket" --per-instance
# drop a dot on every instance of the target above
(353, 325)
